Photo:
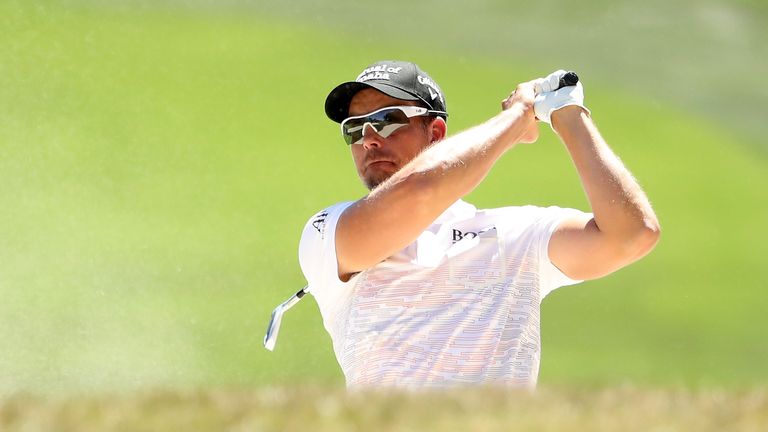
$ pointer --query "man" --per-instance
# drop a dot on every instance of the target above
(419, 289)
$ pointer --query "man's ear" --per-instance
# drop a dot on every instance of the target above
(438, 129)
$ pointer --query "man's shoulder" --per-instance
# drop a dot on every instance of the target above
(514, 211)
(330, 210)
(318, 223)
(463, 212)
(527, 214)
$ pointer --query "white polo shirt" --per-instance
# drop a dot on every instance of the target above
(460, 305)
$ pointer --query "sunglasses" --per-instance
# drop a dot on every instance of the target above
(384, 121)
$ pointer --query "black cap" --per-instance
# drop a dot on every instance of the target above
(398, 79)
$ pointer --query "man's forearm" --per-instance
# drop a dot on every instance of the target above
(453, 167)
(621, 209)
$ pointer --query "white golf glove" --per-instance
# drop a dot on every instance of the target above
(548, 83)
(549, 100)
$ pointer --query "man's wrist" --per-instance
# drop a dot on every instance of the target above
(568, 116)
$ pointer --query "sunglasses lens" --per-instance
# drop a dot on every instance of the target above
(353, 131)
(384, 122)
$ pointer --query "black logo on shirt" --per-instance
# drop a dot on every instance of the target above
(459, 235)
(320, 221)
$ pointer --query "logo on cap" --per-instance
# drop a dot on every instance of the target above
(431, 86)
(380, 72)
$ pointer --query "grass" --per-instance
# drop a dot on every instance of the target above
(289, 409)
(157, 168)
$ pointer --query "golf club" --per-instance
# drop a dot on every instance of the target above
(270, 339)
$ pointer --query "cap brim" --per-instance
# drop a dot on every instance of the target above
(337, 102)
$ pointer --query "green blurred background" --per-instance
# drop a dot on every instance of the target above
(159, 159)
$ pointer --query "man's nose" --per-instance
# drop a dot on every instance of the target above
(371, 138)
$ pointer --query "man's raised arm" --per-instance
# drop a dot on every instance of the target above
(624, 227)
(396, 212)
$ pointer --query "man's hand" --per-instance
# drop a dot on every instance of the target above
(549, 100)
(549, 83)
(524, 94)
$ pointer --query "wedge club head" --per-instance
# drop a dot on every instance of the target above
(270, 338)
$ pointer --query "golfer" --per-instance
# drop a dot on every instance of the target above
(419, 289)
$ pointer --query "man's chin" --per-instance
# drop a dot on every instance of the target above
(371, 182)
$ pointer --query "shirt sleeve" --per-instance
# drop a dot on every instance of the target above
(317, 256)
(550, 277)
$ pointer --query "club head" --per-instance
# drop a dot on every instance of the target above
(270, 338)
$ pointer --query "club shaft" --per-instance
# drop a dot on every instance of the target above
(295, 298)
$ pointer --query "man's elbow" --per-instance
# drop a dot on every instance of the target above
(644, 239)
(623, 252)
